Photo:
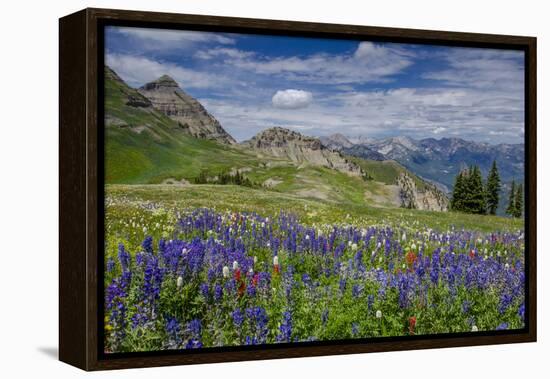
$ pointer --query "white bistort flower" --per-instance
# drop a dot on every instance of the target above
(275, 260)
(225, 272)
(378, 314)
(235, 265)
(474, 328)
(179, 282)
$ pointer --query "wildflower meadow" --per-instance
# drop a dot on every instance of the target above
(199, 278)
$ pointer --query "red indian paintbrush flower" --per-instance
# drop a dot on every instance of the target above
(410, 258)
(412, 324)
(242, 287)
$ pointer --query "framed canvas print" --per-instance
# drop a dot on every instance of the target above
(236, 189)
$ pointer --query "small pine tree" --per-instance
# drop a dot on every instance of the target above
(512, 200)
(457, 201)
(492, 189)
(518, 201)
(477, 192)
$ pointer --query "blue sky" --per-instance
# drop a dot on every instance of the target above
(322, 86)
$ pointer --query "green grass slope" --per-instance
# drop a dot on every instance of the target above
(386, 172)
(145, 146)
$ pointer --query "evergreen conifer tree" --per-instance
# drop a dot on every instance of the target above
(512, 200)
(493, 189)
(518, 201)
(457, 201)
(476, 203)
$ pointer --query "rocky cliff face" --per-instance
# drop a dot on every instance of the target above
(166, 96)
(284, 143)
(428, 198)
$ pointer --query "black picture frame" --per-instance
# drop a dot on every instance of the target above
(81, 187)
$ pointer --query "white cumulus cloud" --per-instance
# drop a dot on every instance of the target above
(292, 99)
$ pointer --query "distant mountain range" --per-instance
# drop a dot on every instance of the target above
(436, 160)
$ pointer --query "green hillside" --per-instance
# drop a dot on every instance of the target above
(386, 172)
(144, 146)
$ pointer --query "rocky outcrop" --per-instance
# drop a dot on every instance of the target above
(167, 97)
(287, 144)
(427, 198)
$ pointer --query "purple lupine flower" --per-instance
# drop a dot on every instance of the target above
(218, 293)
(285, 330)
(258, 317)
(466, 305)
(193, 343)
(139, 318)
(123, 257)
(505, 302)
(356, 290)
(342, 285)
(194, 328)
(521, 311)
(173, 330)
(502, 326)
(110, 265)
(251, 290)
(204, 290)
(147, 244)
(238, 318)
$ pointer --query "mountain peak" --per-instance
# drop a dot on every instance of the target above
(164, 82)
(336, 141)
(167, 97)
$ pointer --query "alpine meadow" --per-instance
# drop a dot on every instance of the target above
(269, 189)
